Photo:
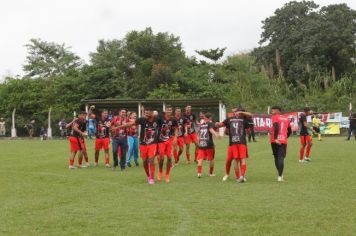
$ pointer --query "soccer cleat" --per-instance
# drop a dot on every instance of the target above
(107, 165)
(187, 162)
(241, 179)
(167, 179)
(307, 159)
(72, 167)
(225, 178)
(129, 164)
(88, 164)
(159, 176)
(212, 175)
(96, 164)
(136, 163)
(83, 166)
(151, 181)
(301, 161)
(199, 175)
(114, 168)
(245, 179)
(280, 179)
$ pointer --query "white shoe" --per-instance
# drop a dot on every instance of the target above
(107, 165)
(280, 179)
(301, 161)
(199, 175)
(245, 179)
(88, 164)
(83, 166)
(307, 159)
(212, 175)
(225, 177)
(241, 180)
(72, 167)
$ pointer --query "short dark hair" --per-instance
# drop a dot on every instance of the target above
(148, 109)
(306, 109)
(168, 106)
(122, 109)
(178, 108)
(277, 108)
(241, 109)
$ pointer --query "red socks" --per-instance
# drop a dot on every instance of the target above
(175, 154)
(107, 160)
(237, 174)
(243, 169)
(71, 162)
(168, 168)
(200, 168)
(188, 156)
(96, 159)
(308, 151)
(86, 159)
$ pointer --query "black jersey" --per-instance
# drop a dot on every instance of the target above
(237, 129)
(205, 137)
(149, 130)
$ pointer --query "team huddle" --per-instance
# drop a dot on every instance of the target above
(163, 137)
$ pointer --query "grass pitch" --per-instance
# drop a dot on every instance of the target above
(40, 196)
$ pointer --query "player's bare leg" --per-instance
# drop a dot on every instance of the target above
(187, 151)
(227, 168)
(211, 169)
(168, 168)
(307, 153)
(237, 166)
(160, 168)
(107, 158)
(196, 153)
(96, 158)
(71, 159)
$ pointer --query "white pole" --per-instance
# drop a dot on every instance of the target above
(350, 107)
(268, 112)
(13, 129)
(221, 118)
(164, 106)
(139, 109)
(49, 129)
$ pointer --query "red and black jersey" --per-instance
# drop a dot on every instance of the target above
(81, 124)
(166, 130)
(118, 133)
(205, 137)
(303, 128)
(149, 130)
(281, 134)
(102, 130)
(190, 121)
(181, 121)
(237, 129)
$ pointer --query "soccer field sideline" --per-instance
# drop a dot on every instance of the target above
(40, 196)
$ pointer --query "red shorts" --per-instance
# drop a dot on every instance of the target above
(77, 144)
(102, 143)
(165, 148)
(304, 139)
(191, 138)
(237, 151)
(180, 142)
(206, 154)
(148, 151)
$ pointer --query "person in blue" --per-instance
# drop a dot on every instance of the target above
(91, 128)
(132, 140)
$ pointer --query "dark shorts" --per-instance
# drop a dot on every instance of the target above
(279, 150)
(316, 129)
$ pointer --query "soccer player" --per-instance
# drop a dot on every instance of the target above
(352, 126)
(102, 137)
(280, 132)
(251, 130)
(190, 136)
(316, 124)
(119, 138)
(305, 141)
(237, 150)
(2, 127)
(76, 139)
(148, 140)
(132, 140)
(206, 149)
(180, 140)
(167, 137)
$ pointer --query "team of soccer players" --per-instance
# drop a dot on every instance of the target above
(164, 135)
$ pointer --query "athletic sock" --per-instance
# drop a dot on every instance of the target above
(188, 156)
(195, 155)
(168, 168)
(160, 167)
(96, 159)
(308, 151)
(107, 160)
(80, 160)
(243, 169)
(319, 136)
(301, 153)
(237, 174)
(71, 162)
(200, 169)
(175, 154)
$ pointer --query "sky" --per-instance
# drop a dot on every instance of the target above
(79, 24)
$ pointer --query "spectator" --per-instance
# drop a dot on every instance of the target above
(352, 127)
(2, 127)
(29, 128)
(63, 127)
(92, 124)
(43, 133)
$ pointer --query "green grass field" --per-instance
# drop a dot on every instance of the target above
(40, 196)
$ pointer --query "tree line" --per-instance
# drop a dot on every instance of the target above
(306, 56)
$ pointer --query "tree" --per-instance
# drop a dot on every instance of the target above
(212, 54)
(299, 41)
(47, 59)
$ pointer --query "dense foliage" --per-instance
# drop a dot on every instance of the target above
(307, 56)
